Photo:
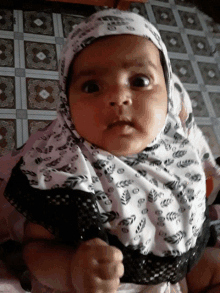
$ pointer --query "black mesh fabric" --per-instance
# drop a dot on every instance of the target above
(73, 216)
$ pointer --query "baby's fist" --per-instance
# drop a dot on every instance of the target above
(97, 267)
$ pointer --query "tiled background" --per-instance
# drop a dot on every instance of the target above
(31, 41)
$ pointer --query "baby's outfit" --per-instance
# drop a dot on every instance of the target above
(151, 205)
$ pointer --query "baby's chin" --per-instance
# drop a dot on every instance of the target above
(122, 142)
(125, 147)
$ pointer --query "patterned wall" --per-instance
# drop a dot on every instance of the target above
(31, 41)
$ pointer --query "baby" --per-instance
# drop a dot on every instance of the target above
(114, 190)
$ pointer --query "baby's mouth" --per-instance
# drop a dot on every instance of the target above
(120, 123)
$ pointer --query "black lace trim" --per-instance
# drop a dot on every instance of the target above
(73, 216)
(70, 215)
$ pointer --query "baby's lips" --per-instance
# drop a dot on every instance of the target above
(120, 123)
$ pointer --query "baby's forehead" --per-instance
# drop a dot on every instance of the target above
(112, 38)
(121, 43)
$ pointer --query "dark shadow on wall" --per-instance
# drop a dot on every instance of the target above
(48, 6)
(209, 7)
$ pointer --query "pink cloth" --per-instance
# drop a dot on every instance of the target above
(8, 283)
(11, 221)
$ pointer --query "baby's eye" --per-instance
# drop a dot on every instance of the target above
(140, 81)
(91, 87)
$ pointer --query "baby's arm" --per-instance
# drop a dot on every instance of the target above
(49, 263)
(205, 276)
(92, 267)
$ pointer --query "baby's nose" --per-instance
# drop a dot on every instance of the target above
(119, 96)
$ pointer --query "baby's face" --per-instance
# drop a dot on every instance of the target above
(118, 78)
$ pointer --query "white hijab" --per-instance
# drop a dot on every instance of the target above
(154, 199)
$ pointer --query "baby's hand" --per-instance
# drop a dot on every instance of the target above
(96, 267)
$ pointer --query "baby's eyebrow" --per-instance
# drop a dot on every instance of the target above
(125, 65)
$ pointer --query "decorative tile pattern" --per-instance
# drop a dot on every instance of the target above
(184, 3)
(40, 56)
(173, 41)
(164, 15)
(211, 139)
(184, 70)
(7, 92)
(6, 53)
(69, 21)
(6, 19)
(139, 8)
(215, 98)
(35, 125)
(42, 94)
(210, 73)
(198, 105)
(200, 45)
(190, 20)
(38, 23)
(213, 27)
(32, 38)
(7, 136)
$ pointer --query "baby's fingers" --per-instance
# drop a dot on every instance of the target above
(106, 286)
(110, 271)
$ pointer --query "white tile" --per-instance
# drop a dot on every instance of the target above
(59, 50)
(203, 121)
(18, 103)
(21, 54)
(205, 59)
(213, 88)
(19, 130)
(55, 25)
(168, 28)
(8, 111)
(208, 104)
(195, 32)
(181, 56)
(20, 21)
(7, 115)
(7, 71)
(16, 54)
(186, 8)
(25, 135)
(150, 12)
(191, 87)
(16, 17)
(41, 114)
(43, 74)
(178, 19)
(217, 132)
(159, 3)
(60, 25)
(23, 93)
(187, 44)
(197, 72)
(6, 35)
(39, 38)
